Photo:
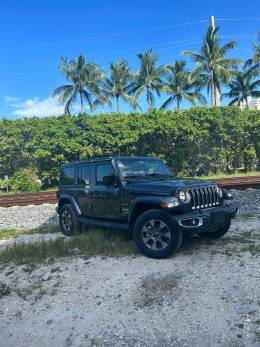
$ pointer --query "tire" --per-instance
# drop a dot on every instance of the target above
(216, 234)
(69, 223)
(155, 234)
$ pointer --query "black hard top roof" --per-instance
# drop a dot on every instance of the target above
(93, 160)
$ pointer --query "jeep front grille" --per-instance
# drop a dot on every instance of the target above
(204, 197)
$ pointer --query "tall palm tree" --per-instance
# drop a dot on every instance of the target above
(256, 50)
(85, 80)
(117, 86)
(149, 77)
(244, 84)
(179, 86)
(213, 67)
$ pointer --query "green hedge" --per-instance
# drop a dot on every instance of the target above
(186, 139)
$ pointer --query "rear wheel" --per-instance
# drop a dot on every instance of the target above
(155, 234)
(215, 234)
(69, 223)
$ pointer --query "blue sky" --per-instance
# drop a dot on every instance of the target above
(35, 34)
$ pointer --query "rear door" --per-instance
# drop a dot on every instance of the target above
(83, 189)
(106, 199)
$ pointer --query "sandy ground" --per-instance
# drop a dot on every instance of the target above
(206, 295)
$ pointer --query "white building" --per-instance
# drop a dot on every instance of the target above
(253, 103)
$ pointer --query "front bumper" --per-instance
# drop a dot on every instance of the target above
(209, 219)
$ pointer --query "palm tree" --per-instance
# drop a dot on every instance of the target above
(148, 77)
(117, 86)
(85, 80)
(244, 85)
(179, 86)
(256, 49)
(212, 66)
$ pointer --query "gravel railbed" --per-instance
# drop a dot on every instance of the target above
(37, 215)
(207, 295)
(31, 216)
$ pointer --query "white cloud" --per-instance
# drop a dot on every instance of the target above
(38, 107)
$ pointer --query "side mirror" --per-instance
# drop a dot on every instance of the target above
(110, 180)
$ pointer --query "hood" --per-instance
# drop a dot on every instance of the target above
(165, 187)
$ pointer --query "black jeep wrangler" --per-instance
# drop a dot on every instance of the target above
(141, 194)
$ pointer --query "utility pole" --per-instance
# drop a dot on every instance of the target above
(215, 91)
(212, 22)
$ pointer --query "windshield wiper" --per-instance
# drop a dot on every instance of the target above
(133, 177)
(164, 176)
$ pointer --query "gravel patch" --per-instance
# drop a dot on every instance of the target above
(31, 216)
(206, 295)
(37, 215)
(248, 200)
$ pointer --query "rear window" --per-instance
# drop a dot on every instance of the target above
(67, 175)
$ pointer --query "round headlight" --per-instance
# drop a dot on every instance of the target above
(219, 192)
(184, 196)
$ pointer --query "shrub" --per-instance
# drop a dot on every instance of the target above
(4, 184)
(25, 180)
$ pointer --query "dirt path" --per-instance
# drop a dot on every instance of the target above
(206, 295)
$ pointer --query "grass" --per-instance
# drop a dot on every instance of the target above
(224, 175)
(51, 189)
(91, 243)
(4, 289)
(7, 233)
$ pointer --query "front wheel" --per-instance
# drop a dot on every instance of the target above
(69, 223)
(216, 234)
(155, 234)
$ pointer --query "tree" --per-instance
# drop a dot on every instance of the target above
(85, 80)
(256, 50)
(179, 86)
(244, 84)
(117, 86)
(213, 68)
(148, 77)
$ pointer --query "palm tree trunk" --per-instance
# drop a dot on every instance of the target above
(217, 97)
(117, 104)
(148, 96)
(178, 104)
(212, 89)
(82, 108)
(247, 104)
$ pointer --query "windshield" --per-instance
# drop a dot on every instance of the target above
(139, 167)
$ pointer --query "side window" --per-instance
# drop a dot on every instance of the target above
(103, 170)
(67, 175)
(84, 173)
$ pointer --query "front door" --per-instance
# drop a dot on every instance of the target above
(106, 199)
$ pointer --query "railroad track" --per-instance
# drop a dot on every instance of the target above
(50, 197)
(240, 182)
(28, 199)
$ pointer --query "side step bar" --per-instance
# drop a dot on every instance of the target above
(103, 223)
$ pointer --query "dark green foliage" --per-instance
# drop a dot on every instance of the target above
(200, 136)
